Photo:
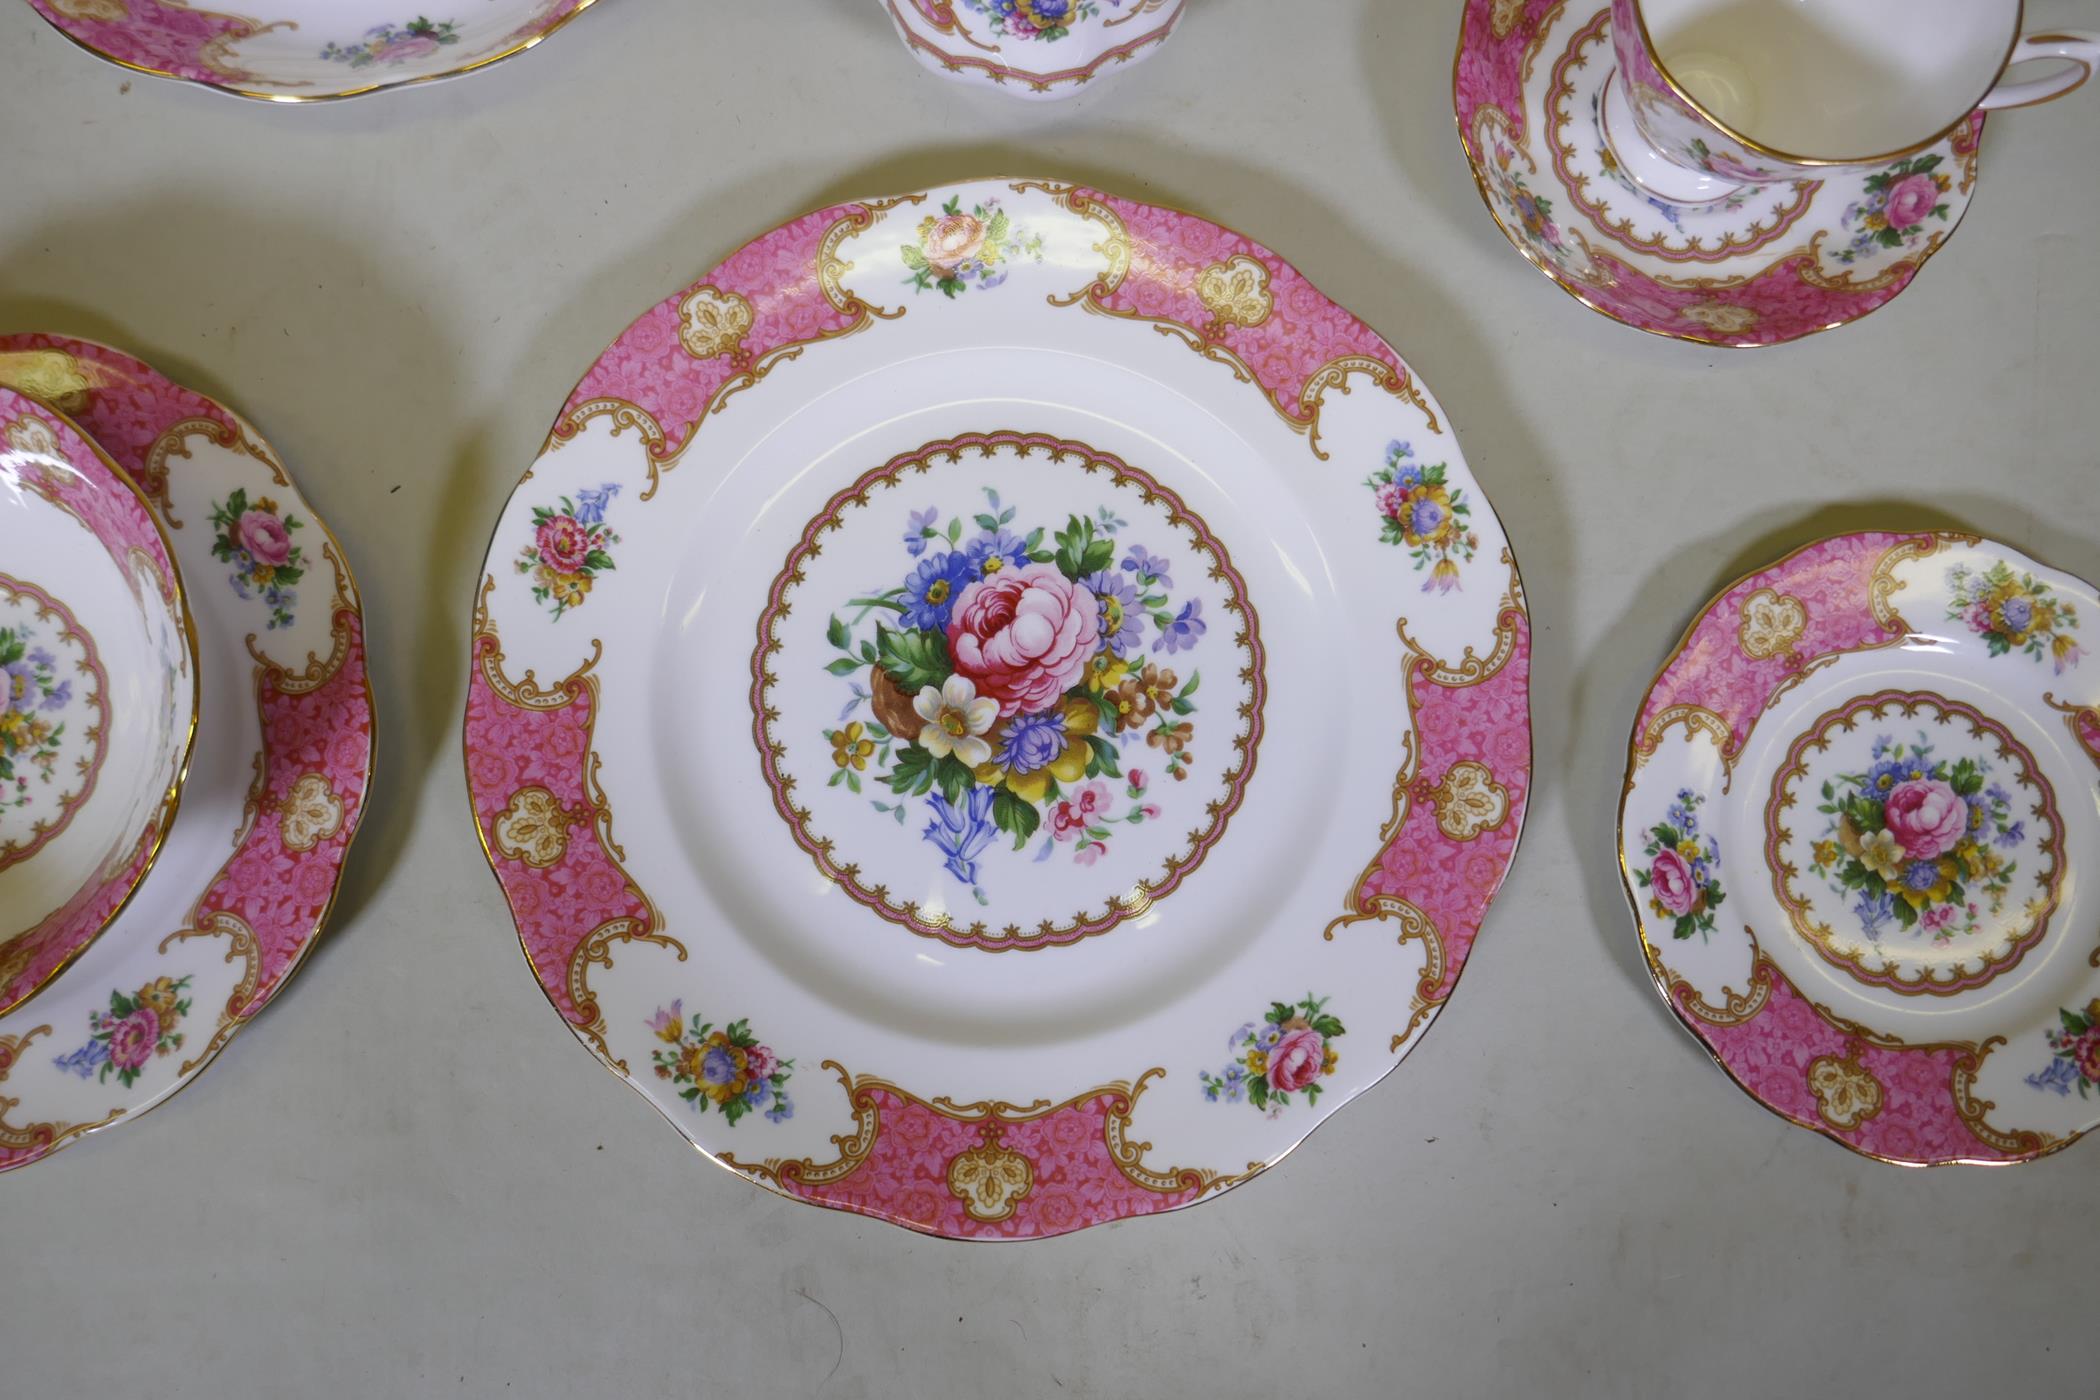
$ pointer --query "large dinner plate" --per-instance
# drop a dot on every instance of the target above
(999, 708)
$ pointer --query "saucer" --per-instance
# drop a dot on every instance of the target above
(277, 777)
(1857, 800)
(1764, 265)
(99, 660)
(999, 709)
(1032, 48)
(306, 50)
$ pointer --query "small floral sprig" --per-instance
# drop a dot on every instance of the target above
(29, 740)
(1913, 836)
(2014, 612)
(958, 250)
(391, 44)
(126, 1038)
(1894, 207)
(1683, 878)
(257, 540)
(2076, 1063)
(1289, 1051)
(725, 1069)
(571, 545)
(1422, 512)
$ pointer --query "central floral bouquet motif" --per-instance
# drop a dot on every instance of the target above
(958, 249)
(1011, 677)
(1918, 841)
(1039, 716)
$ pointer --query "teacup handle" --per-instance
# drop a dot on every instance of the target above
(2080, 46)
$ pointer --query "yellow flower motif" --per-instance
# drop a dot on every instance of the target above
(1944, 870)
(1877, 221)
(1446, 522)
(1977, 862)
(1081, 719)
(265, 574)
(161, 994)
(1257, 1062)
(1882, 854)
(568, 590)
(2092, 1010)
(1329, 1060)
(1827, 853)
(850, 747)
(1689, 849)
(1106, 671)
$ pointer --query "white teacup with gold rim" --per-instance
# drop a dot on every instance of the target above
(1712, 95)
(98, 693)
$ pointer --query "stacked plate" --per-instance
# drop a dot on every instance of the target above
(185, 735)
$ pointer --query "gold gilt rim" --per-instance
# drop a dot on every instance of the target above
(231, 1023)
(1678, 91)
(1653, 963)
(164, 817)
(287, 99)
(1476, 162)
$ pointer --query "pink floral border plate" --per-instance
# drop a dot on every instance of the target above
(278, 776)
(1769, 266)
(1010, 372)
(306, 50)
(1857, 797)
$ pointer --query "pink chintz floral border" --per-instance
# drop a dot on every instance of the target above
(546, 828)
(1785, 300)
(274, 893)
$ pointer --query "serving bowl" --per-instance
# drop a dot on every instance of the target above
(98, 693)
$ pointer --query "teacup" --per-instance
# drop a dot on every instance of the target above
(98, 692)
(1032, 48)
(1715, 94)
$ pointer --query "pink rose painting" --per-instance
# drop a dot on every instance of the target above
(1290, 1050)
(1927, 817)
(1910, 200)
(265, 538)
(1024, 636)
(1295, 1062)
(1683, 875)
(1670, 877)
(952, 239)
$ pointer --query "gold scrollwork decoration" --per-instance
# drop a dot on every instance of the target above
(990, 1179)
(1469, 801)
(1735, 1008)
(175, 442)
(1975, 1112)
(595, 950)
(241, 946)
(1884, 585)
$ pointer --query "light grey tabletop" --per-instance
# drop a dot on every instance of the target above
(408, 1179)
